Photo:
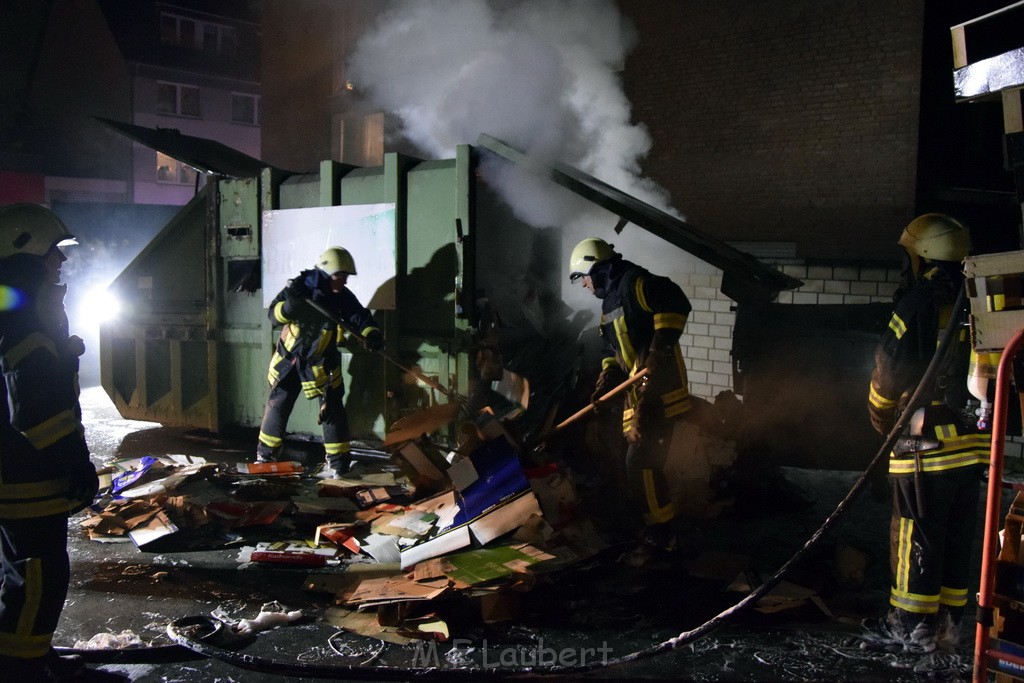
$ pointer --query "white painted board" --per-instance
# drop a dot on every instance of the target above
(294, 238)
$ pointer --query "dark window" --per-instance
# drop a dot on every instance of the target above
(189, 100)
(177, 99)
(244, 108)
(167, 98)
(187, 33)
(210, 36)
(168, 29)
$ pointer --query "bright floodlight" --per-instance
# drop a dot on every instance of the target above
(100, 306)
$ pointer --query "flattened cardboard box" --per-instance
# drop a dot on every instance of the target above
(494, 502)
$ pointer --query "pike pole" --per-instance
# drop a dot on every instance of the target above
(430, 382)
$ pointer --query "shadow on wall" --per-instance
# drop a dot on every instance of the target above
(523, 317)
(430, 322)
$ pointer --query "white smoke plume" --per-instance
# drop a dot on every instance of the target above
(541, 75)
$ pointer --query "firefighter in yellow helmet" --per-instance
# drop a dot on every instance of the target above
(46, 473)
(306, 359)
(642, 318)
(935, 473)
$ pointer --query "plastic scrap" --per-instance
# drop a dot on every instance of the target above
(110, 641)
(272, 615)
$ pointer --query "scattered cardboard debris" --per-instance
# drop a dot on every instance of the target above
(386, 545)
(397, 588)
(364, 624)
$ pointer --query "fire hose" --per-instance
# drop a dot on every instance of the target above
(175, 630)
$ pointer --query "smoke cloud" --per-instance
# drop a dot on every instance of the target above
(540, 75)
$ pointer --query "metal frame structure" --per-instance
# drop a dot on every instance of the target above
(983, 654)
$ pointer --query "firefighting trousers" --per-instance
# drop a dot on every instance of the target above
(645, 461)
(931, 533)
(333, 419)
(36, 572)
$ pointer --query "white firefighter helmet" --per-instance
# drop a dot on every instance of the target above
(31, 229)
(936, 237)
(336, 260)
(586, 255)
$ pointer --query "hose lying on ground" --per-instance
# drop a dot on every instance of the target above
(176, 633)
(158, 654)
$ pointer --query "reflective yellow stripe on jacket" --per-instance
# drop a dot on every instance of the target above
(25, 645)
(879, 401)
(55, 428)
(898, 327)
(35, 499)
(21, 350)
(956, 451)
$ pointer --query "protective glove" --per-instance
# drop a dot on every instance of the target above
(318, 296)
(83, 484)
(648, 407)
(295, 295)
(645, 411)
(883, 420)
(374, 340)
(611, 376)
(74, 347)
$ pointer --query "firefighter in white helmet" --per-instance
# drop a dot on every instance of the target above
(46, 473)
(306, 359)
(642, 318)
(936, 472)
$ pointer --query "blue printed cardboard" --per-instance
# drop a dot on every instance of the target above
(495, 500)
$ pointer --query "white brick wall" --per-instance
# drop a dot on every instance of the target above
(708, 363)
(707, 344)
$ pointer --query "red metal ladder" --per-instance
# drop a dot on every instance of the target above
(984, 655)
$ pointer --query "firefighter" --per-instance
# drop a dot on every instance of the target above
(936, 469)
(45, 470)
(642, 317)
(306, 359)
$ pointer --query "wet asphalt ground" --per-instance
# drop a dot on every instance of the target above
(599, 612)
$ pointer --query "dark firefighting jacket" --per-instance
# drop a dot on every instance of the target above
(902, 356)
(308, 343)
(642, 317)
(41, 435)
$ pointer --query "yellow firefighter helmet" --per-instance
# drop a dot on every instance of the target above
(586, 255)
(936, 237)
(336, 260)
(31, 229)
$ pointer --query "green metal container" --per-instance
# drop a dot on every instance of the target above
(193, 345)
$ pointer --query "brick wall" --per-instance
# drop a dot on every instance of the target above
(707, 342)
(793, 121)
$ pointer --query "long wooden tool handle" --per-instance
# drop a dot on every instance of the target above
(355, 333)
(590, 407)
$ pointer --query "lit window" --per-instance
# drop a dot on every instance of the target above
(245, 108)
(170, 170)
(177, 99)
(361, 140)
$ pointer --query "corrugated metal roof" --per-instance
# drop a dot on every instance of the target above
(208, 156)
